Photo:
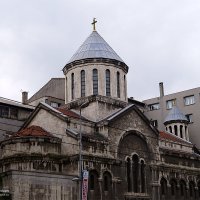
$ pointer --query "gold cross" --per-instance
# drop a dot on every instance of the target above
(93, 23)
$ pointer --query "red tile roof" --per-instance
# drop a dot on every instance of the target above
(33, 131)
(168, 136)
(68, 112)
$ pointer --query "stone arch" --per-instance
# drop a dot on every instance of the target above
(133, 142)
(133, 149)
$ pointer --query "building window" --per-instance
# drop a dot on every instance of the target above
(125, 87)
(189, 100)
(154, 106)
(173, 187)
(181, 131)
(4, 111)
(176, 130)
(163, 184)
(95, 82)
(72, 85)
(128, 173)
(135, 165)
(107, 82)
(82, 83)
(142, 176)
(154, 123)
(170, 103)
(54, 104)
(91, 182)
(118, 84)
(189, 118)
(107, 181)
(170, 129)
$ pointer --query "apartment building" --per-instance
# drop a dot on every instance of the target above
(187, 101)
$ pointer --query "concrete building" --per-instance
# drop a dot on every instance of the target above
(187, 101)
(12, 116)
(52, 93)
(126, 156)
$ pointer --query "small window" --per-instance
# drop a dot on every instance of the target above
(107, 82)
(189, 118)
(13, 113)
(54, 104)
(154, 106)
(170, 103)
(4, 111)
(118, 84)
(189, 100)
(95, 82)
(72, 85)
(154, 123)
(82, 83)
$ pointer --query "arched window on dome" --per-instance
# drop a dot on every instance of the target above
(170, 129)
(72, 86)
(82, 83)
(125, 87)
(181, 131)
(118, 84)
(95, 82)
(107, 82)
(175, 130)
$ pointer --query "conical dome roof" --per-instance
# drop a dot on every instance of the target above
(175, 115)
(95, 47)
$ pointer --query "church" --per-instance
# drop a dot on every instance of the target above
(100, 132)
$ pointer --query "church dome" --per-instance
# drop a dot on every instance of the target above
(175, 115)
(95, 47)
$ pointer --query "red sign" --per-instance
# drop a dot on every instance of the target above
(85, 184)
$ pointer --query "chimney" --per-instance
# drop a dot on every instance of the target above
(25, 97)
(161, 89)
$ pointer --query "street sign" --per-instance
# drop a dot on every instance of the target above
(85, 184)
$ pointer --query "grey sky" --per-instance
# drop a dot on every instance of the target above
(158, 39)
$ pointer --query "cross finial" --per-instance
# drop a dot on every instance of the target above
(93, 23)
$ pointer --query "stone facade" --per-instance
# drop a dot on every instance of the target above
(127, 158)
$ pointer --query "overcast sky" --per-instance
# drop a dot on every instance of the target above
(158, 39)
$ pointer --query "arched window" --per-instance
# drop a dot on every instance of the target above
(142, 176)
(173, 184)
(118, 84)
(82, 83)
(170, 129)
(181, 131)
(95, 82)
(166, 129)
(198, 185)
(107, 181)
(125, 87)
(163, 183)
(192, 188)
(135, 171)
(107, 82)
(93, 185)
(72, 85)
(175, 130)
(182, 188)
(128, 173)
